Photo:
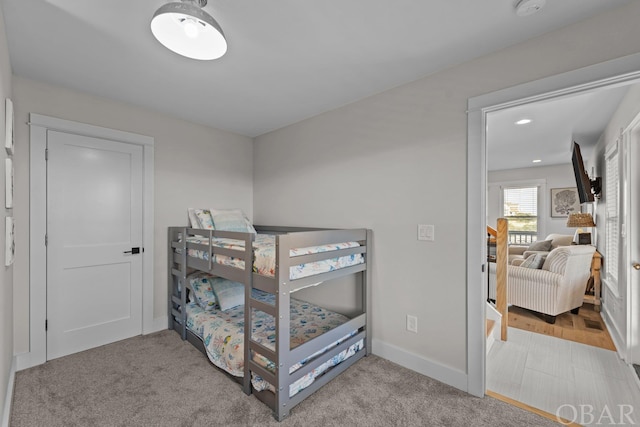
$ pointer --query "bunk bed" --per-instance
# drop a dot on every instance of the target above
(277, 365)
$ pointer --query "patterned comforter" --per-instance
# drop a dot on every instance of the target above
(264, 249)
(223, 335)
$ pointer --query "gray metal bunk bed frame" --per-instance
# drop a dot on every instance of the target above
(180, 264)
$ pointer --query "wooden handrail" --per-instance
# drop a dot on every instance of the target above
(502, 259)
(492, 231)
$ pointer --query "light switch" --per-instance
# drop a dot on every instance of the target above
(426, 232)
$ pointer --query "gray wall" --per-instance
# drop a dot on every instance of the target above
(195, 166)
(6, 277)
(397, 159)
(555, 176)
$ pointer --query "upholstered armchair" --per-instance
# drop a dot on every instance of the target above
(518, 253)
(557, 287)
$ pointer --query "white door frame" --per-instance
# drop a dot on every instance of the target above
(615, 72)
(39, 124)
(630, 140)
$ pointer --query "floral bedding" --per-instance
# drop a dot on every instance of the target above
(264, 249)
(223, 335)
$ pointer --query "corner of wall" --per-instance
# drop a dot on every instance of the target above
(6, 410)
(420, 364)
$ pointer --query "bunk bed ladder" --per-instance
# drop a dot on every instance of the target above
(283, 327)
(366, 290)
(248, 327)
(178, 282)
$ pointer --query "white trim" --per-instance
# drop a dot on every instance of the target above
(613, 330)
(39, 125)
(420, 364)
(615, 72)
(8, 399)
(477, 268)
(159, 324)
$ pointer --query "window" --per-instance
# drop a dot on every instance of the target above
(612, 214)
(521, 210)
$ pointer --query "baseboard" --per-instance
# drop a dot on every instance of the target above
(27, 360)
(6, 411)
(422, 365)
(159, 324)
(613, 331)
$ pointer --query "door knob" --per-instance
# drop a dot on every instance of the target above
(636, 266)
(135, 251)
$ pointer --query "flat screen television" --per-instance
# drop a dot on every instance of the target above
(582, 179)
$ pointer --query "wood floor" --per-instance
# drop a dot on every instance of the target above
(587, 327)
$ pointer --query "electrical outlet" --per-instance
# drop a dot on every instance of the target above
(412, 323)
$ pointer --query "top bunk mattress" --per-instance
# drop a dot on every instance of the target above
(264, 249)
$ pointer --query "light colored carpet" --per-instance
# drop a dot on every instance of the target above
(160, 380)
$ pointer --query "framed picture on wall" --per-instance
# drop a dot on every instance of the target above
(8, 176)
(8, 138)
(564, 201)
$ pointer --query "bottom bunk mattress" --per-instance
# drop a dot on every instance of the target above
(222, 333)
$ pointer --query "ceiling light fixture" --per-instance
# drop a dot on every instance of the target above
(536, 161)
(187, 30)
(529, 7)
(523, 122)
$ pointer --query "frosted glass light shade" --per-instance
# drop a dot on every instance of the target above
(189, 31)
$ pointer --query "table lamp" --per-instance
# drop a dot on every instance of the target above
(580, 220)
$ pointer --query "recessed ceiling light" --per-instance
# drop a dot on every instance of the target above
(523, 121)
(537, 161)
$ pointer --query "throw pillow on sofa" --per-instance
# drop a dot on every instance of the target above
(534, 261)
(544, 245)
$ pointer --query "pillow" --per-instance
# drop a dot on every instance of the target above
(231, 220)
(193, 219)
(205, 219)
(544, 245)
(228, 294)
(201, 285)
(534, 261)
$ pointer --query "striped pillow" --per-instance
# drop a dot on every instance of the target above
(534, 261)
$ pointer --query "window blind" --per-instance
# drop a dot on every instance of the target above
(521, 209)
(612, 213)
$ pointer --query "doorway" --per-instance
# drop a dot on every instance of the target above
(616, 72)
(40, 126)
(94, 242)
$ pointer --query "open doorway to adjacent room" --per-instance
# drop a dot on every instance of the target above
(584, 357)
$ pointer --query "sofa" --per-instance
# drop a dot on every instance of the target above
(518, 253)
(556, 287)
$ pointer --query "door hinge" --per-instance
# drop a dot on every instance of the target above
(46, 325)
(46, 240)
(46, 154)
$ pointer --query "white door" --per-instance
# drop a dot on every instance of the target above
(632, 262)
(94, 220)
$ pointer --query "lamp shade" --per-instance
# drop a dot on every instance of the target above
(186, 29)
(578, 219)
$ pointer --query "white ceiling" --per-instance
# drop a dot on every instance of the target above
(554, 125)
(287, 59)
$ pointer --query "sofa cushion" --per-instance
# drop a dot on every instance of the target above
(544, 245)
(560, 240)
(534, 261)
